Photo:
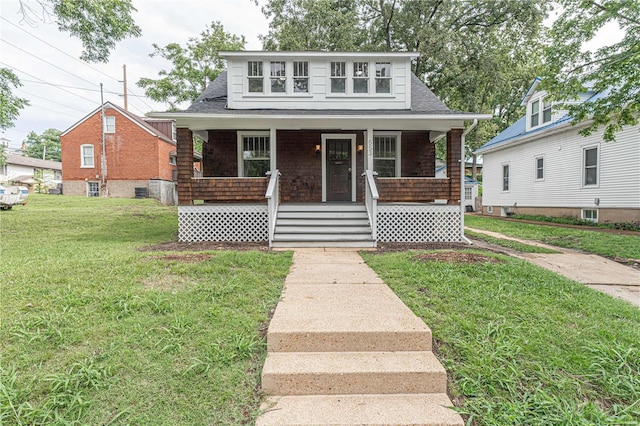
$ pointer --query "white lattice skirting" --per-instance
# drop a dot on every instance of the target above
(418, 223)
(228, 222)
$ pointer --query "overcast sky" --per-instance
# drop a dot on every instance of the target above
(162, 21)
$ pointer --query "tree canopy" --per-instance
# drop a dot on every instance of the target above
(613, 71)
(10, 105)
(194, 66)
(46, 145)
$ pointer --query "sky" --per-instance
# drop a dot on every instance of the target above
(38, 53)
(162, 22)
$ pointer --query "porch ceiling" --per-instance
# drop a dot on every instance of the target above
(389, 121)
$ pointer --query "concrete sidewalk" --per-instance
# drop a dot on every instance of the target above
(591, 270)
(343, 349)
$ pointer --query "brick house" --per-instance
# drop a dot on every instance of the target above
(140, 156)
(319, 149)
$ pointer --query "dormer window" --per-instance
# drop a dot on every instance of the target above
(360, 77)
(383, 77)
(254, 74)
(338, 77)
(536, 106)
(278, 77)
(301, 77)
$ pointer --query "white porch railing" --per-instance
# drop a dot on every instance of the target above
(371, 201)
(273, 200)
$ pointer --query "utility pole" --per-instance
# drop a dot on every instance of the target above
(124, 81)
(103, 160)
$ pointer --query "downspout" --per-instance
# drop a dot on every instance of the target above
(103, 158)
(462, 142)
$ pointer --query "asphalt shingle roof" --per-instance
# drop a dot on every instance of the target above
(214, 101)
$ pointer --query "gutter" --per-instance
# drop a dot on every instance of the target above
(462, 142)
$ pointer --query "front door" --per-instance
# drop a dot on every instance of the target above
(338, 152)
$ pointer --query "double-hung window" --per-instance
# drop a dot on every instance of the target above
(86, 156)
(385, 159)
(535, 113)
(301, 77)
(539, 168)
(256, 155)
(338, 77)
(109, 124)
(590, 161)
(505, 177)
(278, 77)
(255, 77)
(93, 189)
(360, 77)
(383, 77)
(546, 112)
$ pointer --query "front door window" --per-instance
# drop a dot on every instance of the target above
(338, 152)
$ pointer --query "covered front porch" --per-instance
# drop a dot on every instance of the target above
(255, 180)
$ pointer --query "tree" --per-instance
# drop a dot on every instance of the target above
(194, 66)
(45, 146)
(613, 71)
(99, 24)
(10, 105)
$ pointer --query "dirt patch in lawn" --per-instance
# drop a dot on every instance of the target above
(184, 257)
(395, 247)
(206, 246)
(456, 257)
(166, 282)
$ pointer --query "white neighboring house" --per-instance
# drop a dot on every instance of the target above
(471, 187)
(21, 170)
(540, 165)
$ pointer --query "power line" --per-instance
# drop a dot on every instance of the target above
(38, 78)
(48, 100)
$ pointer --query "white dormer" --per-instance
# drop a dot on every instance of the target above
(538, 110)
(319, 80)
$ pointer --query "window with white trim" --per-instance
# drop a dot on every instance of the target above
(301, 77)
(174, 131)
(590, 215)
(278, 76)
(468, 193)
(385, 155)
(383, 77)
(93, 189)
(505, 177)
(539, 168)
(256, 155)
(255, 77)
(535, 113)
(338, 77)
(109, 124)
(590, 162)
(546, 112)
(86, 156)
(172, 160)
(360, 77)
(539, 112)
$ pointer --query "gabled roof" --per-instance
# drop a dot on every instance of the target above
(20, 160)
(132, 117)
(214, 101)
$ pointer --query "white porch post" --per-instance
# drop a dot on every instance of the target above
(369, 147)
(272, 149)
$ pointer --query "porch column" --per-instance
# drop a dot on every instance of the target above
(184, 161)
(272, 148)
(454, 159)
(369, 145)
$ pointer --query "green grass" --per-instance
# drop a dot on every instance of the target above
(604, 244)
(580, 222)
(514, 245)
(524, 346)
(94, 331)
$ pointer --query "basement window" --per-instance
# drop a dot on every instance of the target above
(590, 215)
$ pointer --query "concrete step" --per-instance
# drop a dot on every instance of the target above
(336, 373)
(322, 207)
(343, 316)
(365, 410)
(324, 244)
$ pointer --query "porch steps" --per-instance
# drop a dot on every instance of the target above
(322, 225)
(343, 349)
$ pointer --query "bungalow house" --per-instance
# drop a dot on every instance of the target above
(319, 149)
(34, 173)
(541, 166)
(139, 156)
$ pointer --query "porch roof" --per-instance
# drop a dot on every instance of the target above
(212, 105)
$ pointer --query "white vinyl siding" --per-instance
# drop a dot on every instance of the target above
(618, 172)
(87, 159)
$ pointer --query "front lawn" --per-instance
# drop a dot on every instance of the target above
(94, 331)
(602, 243)
(524, 346)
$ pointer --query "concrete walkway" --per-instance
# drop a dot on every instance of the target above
(594, 271)
(344, 350)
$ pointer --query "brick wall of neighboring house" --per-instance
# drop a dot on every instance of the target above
(133, 155)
